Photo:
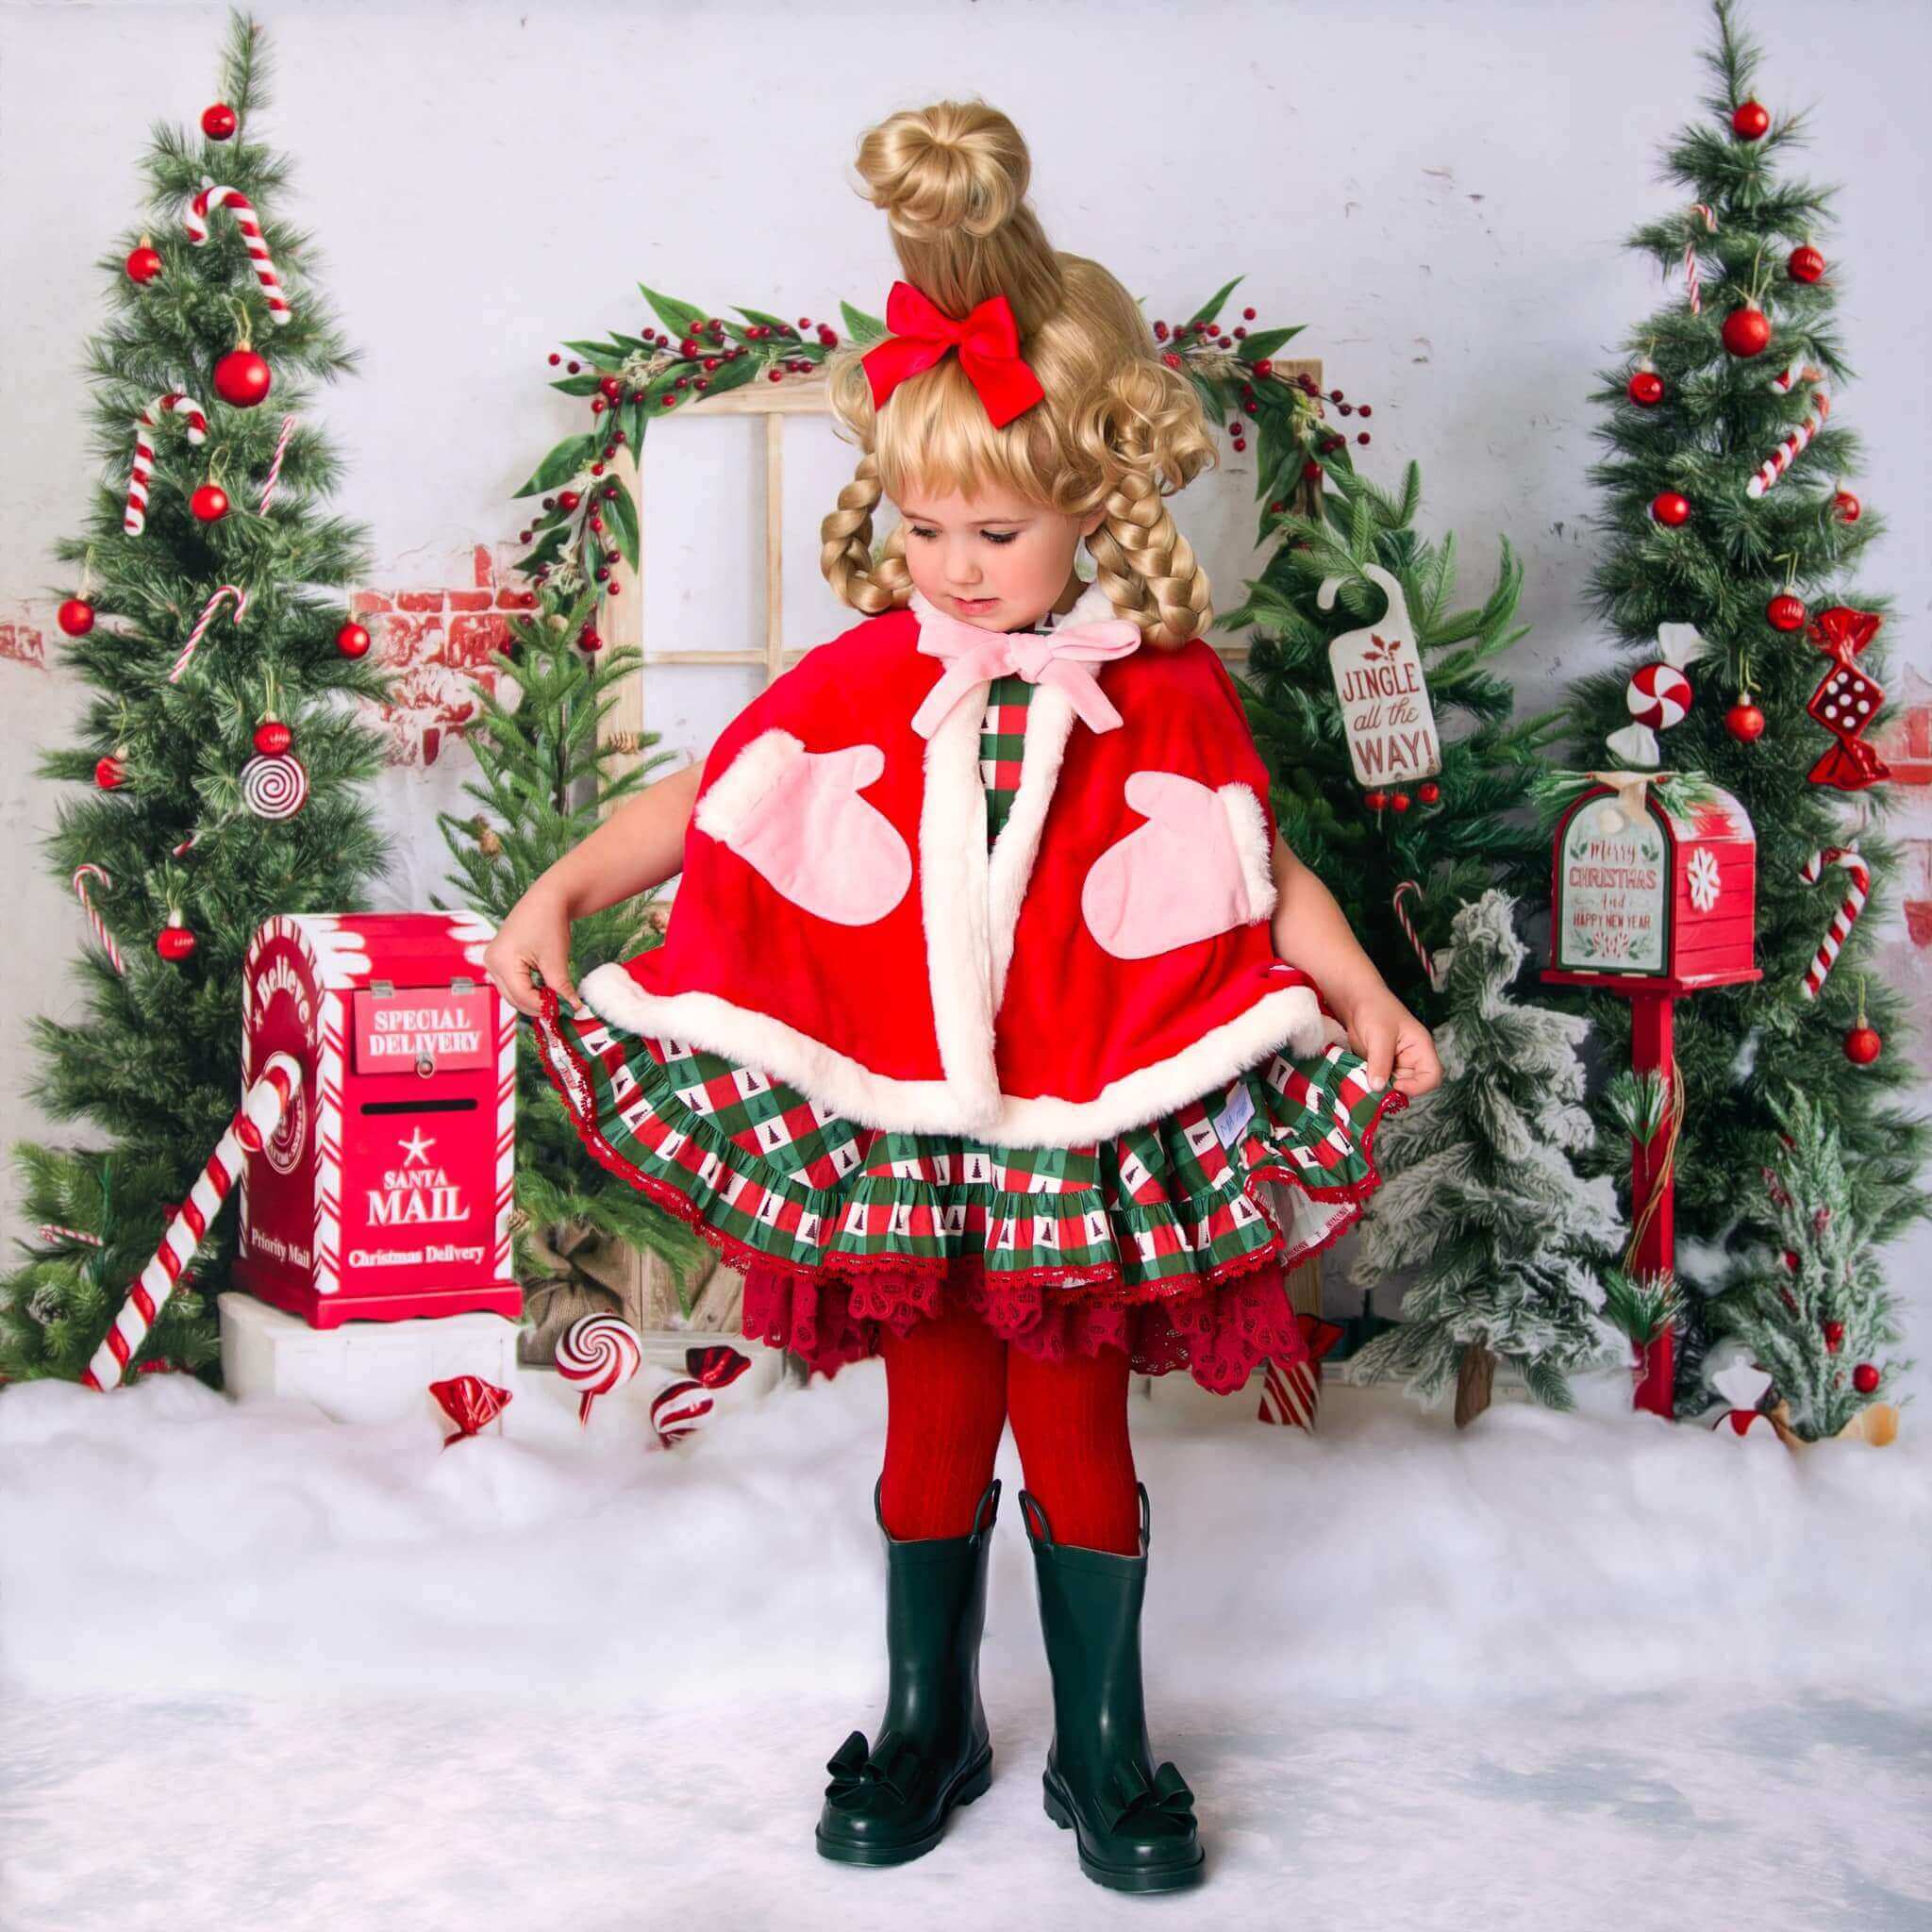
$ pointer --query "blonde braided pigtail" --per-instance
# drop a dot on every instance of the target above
(846, 549)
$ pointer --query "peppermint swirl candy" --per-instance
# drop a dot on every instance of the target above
(274, 788)
(599, 1353)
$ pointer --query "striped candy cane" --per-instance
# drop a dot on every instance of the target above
(261, 1111)
(1697, 207)
(1431, 967)
(206, 618)
(1857, 893)
(194, 219)
(53, 1231)
(103, 937)
(274, 469)
(135, 521)
(1781, 459)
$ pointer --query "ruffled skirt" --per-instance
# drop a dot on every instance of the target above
(1169, 1242)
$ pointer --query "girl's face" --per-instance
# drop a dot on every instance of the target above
(993, 560)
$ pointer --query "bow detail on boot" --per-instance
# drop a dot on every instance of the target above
(1135, 1805)
(894, 1768)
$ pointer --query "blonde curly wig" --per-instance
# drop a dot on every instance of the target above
(1117, 428)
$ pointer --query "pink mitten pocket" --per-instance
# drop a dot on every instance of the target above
(795, 816)
(1203, 864)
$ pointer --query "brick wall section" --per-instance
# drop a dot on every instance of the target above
(22, 642)
(436, 645)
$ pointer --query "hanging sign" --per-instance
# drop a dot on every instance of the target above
(1385, 713)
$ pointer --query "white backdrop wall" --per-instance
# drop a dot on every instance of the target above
(1437, 192)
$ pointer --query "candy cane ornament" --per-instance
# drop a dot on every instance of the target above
(102, 936)
(1697, 207)
(1435, 970)
(206, 618)
(1781, 459)
(135, 520)
(274, 469)
(1856, 891)
(261, 1108)
(194, 219)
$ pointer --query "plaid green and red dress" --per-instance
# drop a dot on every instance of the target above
(1169, 1241)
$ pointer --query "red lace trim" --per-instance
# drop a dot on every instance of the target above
(1218, 1335)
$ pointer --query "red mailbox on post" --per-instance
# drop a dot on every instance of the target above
(1654, 893)
(385, 1190)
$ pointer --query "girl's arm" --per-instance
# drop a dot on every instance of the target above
(639, 845)
(1310, 932)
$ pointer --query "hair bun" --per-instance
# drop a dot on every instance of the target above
(952, 165)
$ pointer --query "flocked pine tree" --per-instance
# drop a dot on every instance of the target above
(1812, 1308)
(1453, 835)
(545, 782)
(1506, 1238)
(1724, 506)
(221, 771)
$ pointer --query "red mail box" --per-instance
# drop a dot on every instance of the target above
(386, 1191)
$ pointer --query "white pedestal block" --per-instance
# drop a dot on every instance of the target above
(361, 1372)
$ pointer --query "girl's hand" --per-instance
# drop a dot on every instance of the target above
(535, 934)
(1392, 1040)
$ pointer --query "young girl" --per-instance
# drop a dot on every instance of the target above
(988, 1011)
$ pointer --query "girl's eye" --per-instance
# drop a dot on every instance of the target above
(990, 536)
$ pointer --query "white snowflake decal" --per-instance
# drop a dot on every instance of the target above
(1704, 880)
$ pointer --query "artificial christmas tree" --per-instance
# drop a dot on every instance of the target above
(1402, 825)
(545, 783)
(1812, 1308)
(213, 585)
(1729, 544)
(1484, 1203)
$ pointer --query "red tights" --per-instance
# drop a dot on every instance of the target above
(951, 1385)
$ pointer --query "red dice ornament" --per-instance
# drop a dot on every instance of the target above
(1847, 702)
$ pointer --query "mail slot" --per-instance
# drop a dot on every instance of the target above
(386, 1193)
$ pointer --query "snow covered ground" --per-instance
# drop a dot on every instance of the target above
(1588, 1670)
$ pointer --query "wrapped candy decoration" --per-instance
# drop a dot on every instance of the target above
(1291, 1394)
(677, 1409)
(1658, 695)
(470, 1403)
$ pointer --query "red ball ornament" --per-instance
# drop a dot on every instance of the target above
(209, 503)
(273, 738)
(242, 377)
(1429, 791)
(220, 122)
(612, 387)
(1864, 1378)
(1668, 508)
(1375, 800)
(1400, 802)
(588, 638)
(568, 499)
(1747, 331)
(1750, 121)
(143, 264)
(1834, 1334)
(75, 617)
(1863, 1045)
(110, 774)
(1786, 612)
(1646, 389)
(174, 942)
(1804, 264)
(1744, 722)
(1846, 507)
(352, 641)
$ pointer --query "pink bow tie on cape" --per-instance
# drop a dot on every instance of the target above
(1058, 657)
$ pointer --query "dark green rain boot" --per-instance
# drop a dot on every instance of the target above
(890, 1803)
(1134, 1824)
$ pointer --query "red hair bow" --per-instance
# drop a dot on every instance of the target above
(988, 341)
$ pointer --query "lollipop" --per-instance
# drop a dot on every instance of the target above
(599, 1353)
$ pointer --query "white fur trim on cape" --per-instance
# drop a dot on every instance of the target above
(734, 795)
(1253, 842)
(1289, 1020)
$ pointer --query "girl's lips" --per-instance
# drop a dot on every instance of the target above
(975, 603)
